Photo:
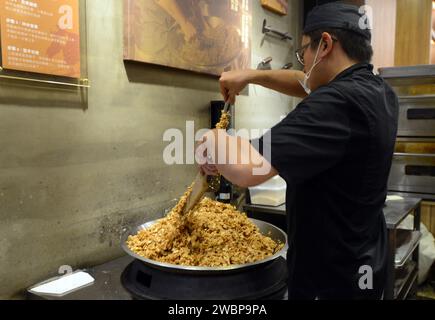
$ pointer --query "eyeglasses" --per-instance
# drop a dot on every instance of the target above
(301, 51)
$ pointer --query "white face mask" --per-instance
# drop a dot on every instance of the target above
(308, 74)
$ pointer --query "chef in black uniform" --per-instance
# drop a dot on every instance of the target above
(334, 151)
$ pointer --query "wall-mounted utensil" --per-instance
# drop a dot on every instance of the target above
(269, 30)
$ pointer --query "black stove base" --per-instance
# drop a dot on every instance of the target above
(267, 282)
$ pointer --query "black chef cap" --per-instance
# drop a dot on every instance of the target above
(336, 15)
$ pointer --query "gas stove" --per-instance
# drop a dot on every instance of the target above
(265, 281)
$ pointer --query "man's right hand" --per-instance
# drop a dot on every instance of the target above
(284, 81)
(233, 82)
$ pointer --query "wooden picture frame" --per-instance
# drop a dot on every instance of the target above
(277, 6)
(205, 36)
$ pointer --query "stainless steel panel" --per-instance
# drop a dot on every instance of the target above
(409, 75)
(413, 173)
(417, 116)
(423, 196)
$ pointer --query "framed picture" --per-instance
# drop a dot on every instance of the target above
(277, 6)
(206, 36)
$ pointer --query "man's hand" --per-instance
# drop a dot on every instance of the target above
(204, 153)
(284, 81)
(233, 82)
(209, 170)
(234, 158)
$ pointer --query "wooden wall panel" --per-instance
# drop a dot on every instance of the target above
(432, 219)
(428, 215)
(383, 33)
(413, 32)
(433, 40)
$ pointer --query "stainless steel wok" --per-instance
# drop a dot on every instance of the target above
(266, 229)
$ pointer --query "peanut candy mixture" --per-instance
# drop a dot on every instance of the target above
(213, 234)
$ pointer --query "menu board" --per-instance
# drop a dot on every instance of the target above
(41, 36)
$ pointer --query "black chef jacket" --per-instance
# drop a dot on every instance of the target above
(335, 151)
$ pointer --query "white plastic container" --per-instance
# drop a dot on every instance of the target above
(270, 193)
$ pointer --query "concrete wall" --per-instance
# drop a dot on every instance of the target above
(70, 179)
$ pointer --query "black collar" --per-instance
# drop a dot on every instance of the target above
(354, 68)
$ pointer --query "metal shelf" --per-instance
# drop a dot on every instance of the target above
(403, 247)
(404, 251)
(403, 284)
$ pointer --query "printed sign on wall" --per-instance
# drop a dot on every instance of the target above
(208, 36)
(41, 36)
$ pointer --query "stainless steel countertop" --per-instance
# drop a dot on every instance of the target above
(395, 211)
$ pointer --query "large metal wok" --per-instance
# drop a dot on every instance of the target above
(265, 228)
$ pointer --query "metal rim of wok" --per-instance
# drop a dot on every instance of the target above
(265, 228)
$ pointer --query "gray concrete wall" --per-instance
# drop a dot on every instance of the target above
(70, 179)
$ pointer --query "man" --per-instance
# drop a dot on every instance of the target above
(334, 151)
